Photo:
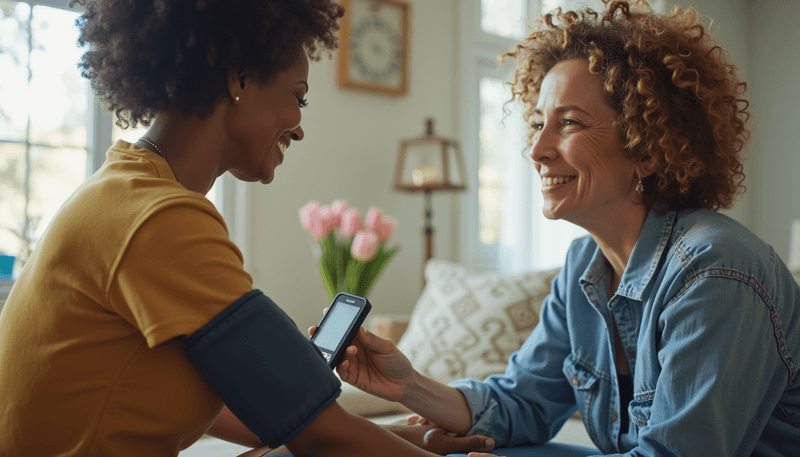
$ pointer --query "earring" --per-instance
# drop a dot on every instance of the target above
(236, 100)
(639, 186)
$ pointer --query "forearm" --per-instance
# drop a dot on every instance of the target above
(228, 427)
(442, 405)
(337, 433)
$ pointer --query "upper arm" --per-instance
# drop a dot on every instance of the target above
(178, 270)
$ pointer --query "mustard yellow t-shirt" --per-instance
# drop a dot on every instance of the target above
(91, 358)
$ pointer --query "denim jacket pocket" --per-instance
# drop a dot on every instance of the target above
(583, 382)
(640, 408)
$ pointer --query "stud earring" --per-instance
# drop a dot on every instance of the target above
(236, 100)
(639, 186)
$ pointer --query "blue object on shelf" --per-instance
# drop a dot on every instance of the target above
(6, 266)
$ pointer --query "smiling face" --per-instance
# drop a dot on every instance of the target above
(265, 121)
(577, 150)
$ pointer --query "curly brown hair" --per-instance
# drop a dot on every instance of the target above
(152, 55)
(678, 100)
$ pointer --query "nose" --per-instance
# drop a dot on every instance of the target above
(544, 145)
(297, 133)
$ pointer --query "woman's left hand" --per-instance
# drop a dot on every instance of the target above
(438, 440)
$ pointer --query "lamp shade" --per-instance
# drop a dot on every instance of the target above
(429, 163)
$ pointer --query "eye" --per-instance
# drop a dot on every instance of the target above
(537, 125)
(568, 122)
(302, 102)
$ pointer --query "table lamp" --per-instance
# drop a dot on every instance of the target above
(429, 164)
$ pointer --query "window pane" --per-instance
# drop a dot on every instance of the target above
(12, 196)
(14, 74)
(59, 95)
(504, 17)
(501, 143)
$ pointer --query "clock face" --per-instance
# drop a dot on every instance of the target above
(375, 55)
(375, 48)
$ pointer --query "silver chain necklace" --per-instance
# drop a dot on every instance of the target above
(158, 150)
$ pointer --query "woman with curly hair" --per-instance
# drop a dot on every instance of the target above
(134, 328)
(669, 326)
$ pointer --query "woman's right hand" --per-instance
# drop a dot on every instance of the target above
(375, 365)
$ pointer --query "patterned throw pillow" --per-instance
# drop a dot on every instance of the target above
(467, 324)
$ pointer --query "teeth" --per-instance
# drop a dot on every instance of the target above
(282, 146)
(549, 181)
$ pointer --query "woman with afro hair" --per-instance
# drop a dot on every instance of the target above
(134, 328)
(671, 328)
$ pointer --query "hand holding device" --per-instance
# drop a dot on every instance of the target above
(339, 326)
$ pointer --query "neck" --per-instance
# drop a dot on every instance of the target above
(616, 236)
(192, 147)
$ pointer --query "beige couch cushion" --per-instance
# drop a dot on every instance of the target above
(466, 324)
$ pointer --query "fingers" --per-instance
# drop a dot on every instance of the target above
(312, 330)
(442, 440)
(481, 442)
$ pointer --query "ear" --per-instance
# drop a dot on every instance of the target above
(645, 167)
(236, 86)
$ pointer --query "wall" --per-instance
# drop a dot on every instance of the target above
(349, 150)
(775, 66)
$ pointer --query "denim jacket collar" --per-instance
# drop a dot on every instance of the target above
(643, 261)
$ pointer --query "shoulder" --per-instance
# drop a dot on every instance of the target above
(708, 239)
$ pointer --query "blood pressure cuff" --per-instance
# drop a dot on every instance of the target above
(271, 377)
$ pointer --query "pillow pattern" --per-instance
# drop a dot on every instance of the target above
(467, 324)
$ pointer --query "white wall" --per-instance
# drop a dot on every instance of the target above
(349, 150)
(775, 66)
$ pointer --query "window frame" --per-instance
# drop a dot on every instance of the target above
(478, 59)
(233, 196)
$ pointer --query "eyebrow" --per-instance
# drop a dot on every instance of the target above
(303, 82)
(564, 109)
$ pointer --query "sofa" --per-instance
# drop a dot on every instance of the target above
(465, 324)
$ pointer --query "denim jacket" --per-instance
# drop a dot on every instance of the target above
(709, 318)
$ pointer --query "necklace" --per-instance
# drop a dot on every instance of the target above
(158, 151)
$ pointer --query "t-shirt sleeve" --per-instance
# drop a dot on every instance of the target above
(178, 271)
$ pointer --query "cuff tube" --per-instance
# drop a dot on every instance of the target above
(271, 377)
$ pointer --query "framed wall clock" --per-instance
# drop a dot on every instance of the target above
(373, 46)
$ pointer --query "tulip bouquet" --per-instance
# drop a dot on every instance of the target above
(352, 255)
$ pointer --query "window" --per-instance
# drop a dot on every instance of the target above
(44, 104)
(504, 228)
(53, 131)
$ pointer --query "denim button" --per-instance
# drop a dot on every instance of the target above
(614, 416)
(575, 380)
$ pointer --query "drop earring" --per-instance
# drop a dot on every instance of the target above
(639, 186)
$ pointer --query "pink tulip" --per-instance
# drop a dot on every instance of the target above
(373, 219)
(308, 213)
(339, 207)
(328, 221)
(351, 222)
(385, 228)
(365, 246)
